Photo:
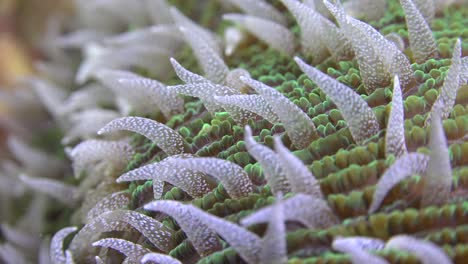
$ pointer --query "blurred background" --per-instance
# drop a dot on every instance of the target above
(22, 23)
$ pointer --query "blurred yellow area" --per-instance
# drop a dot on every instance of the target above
(14, 63)
(14, 60)
(6, 6)
(22, 23)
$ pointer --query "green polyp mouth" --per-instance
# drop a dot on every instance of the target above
(190, 140)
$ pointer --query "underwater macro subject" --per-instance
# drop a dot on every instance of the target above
(241, 131)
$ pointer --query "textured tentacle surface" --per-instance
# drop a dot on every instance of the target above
(448, 92)
(159, 258)
(57, 253)
(308, 210)
(427, 252)
(260, 9)
(357, 247)
(274, 34)
(311, 23)
(165, 137)
(212, 64)
(395, 135)
(134, 252)
(405, 166)
(232, 176)
(274, 243)
(169, 170)
(300, 127)
(422, 43)
(298, 175)
(201, 236)
(359, 116)
(438, 179)
(251, 102)
(270, 162)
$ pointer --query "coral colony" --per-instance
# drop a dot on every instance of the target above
(242, 131)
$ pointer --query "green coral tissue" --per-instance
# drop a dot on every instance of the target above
(241, 131)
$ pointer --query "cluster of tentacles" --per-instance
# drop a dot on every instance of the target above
(288, 132)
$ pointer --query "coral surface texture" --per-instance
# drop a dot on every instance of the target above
(241, 131)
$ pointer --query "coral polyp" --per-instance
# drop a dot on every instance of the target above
(241, 131)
